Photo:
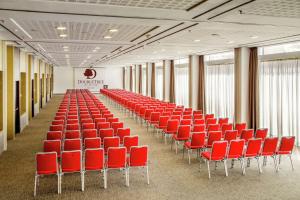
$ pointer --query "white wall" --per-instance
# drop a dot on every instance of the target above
(114, 77)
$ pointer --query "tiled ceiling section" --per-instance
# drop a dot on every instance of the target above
(77, 48)
(82, 31)
(275, 8)
(164, 4)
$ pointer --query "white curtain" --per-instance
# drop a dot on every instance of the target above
(127, 77)
(182, 85)
(133, 79)
(144, 81)
(279, 97)
(219, 90)
(159, 83)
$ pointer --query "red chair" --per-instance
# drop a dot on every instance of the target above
(162, 124)
(54, 135)
(99, 120)
(56, 128)
(213, 127)
(71, 163)
(239, 127)
(87, 120)
(110, 142)
(72, 121)
(218, 153)
(269, 150)
(46, 164)
(103, 125)
(175, 117)
(154, 119)
(252, 151)
(172, 128)
(130, 141)
(235, 151)
(59, 118)
(198, 128)
(211, 121)
(197, 142)
(212, 137)
(138, 158)
(52, 146)
(261, 133)
(107, 116)
(58, 122)
(74, 134)
(89, 133)
(72, 144)
(208, 116)
(199, 122)
(247, 134)
(72, 117)
(198, 116)
(92, 143)
(94, 161)
(226, 127)
(116, 125)
(108, 132)
(186, 122)
(88, 126)
(187, 117)
(122, 132)
(286, 149)
(112, 120)
(223, 121)
(183, 134)
(116, 159)
(197, 112)
(230, 135)
(72, 127)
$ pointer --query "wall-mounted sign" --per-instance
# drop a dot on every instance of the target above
(89, 78)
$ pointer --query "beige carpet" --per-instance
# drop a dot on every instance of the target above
(171, 177)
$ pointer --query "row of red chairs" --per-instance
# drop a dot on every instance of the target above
(65, 145)
(209, 131)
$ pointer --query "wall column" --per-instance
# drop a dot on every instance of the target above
(10, 93)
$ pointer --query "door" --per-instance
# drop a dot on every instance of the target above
(32, 98)
(17, 108)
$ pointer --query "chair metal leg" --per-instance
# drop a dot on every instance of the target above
(147, 170)
(208, 169)
(105, 179)
(244, 167)
(189, 155)
(275, 162)
(291, 162)
(232, 163)
(259, 166)
(225, 166)
(35, 182)
(176, 146)
(82, 181)
(60, 183)
(127, 176)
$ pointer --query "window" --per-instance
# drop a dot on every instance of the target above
(279, 90)
(144, 80)
(182, 82)
(219, 84)
(159, 81)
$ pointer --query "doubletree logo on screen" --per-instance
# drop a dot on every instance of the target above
(90, 74)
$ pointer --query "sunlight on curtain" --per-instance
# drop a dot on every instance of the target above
(133, 79)
(159, 83)
(182, 84)
(219, 90)
(127, 77)
(144, 80)
(279, 97)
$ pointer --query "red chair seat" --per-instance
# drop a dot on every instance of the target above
(189, 146)
(206, 155)
(179, 139)
(267, 153)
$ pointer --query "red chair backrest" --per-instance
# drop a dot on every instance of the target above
(236, 149)
(54, 135)
(230, 135)
(130, 141)
(197, 112)
(107, 132)
(73, 134)
(239, 127)
(112, 120)
(223, 121)
(94, 159)
(72, 121)
(211, 121)
(175, 117)
(92, 143)
(89, 133)
(148, 113)
(187, 117)
(172, 125)
(88, 126)
(56, 128)
(72, 117)
(116, 126)
(177, 113)
(98, 120)
(198, 139)
(103, 125)
(199, 128)
(199, 121)
(287, 144)
(72, 144)
(46, 163)
(270, 146)
(247, 134)
(71, 161)
(59, 117)
(253, 147)
(186, 122)
(58, 122)
(208, 116)
(214, 136)
(52, 146)
(87, 120)
(72, 127)
(154, 117)
(116, 157)
(163, 121)
(122, 132)
(226, 127)
(261, 133)
(106, 116)
(184, 132)
(219, 149)
(111, 142)
(199, 116)
(138, 156)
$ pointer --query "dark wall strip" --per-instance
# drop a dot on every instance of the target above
(214, 8)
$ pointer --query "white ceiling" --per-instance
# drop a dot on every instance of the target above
(148, 30)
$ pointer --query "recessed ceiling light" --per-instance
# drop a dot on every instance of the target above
(107, 37)
(63, 35)
(197, 40)
(89, 56)
(230, 42)
(113, 30)
(65, 47)
(97, 48)
(62, 28)
(67, 56)
(254, 36)
(94, 50)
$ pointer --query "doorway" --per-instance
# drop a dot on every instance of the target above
(17, 108)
